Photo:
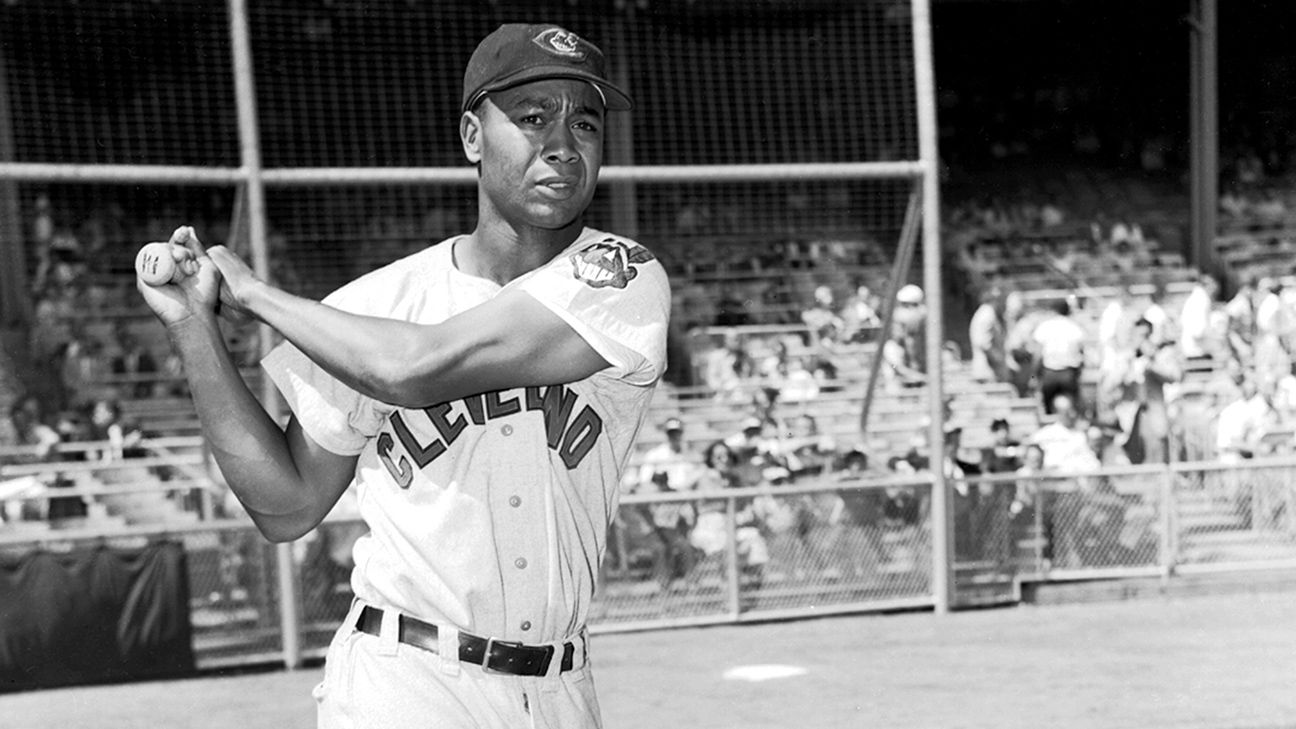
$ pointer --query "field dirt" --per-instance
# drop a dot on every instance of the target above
(1214, 662)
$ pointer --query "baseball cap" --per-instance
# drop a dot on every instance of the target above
(518, 53)
(909, 294)
(752, 423)
(672, 424)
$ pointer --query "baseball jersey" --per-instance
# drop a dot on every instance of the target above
(490, 512)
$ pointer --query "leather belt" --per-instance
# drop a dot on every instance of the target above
(518, 659)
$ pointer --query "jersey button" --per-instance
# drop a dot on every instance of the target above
(507, 430)
(520, 563)
(515, 501)
(526, 624)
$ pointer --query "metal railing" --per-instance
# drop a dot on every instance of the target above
(834, 546)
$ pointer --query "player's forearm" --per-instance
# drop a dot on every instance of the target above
(250, 448)
(375, 356)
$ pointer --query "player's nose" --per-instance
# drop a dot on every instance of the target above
(560, 145)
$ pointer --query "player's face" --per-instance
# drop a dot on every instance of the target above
(540, 147)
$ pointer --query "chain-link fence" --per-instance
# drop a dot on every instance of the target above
(834, 546)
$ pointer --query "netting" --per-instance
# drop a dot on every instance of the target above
(378, 85)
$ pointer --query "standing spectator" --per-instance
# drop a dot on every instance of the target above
(1194, 319)
(911, 315)
(986, 338)
(1140, 397)
(1112, 323)
(1242, 314)
(1059, 355)
(1018, 345)
(1155, 311)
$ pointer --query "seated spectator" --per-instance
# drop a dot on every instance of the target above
(27, 425)
(671, 462)
(806, 450)
(667, 467)
(1004, 455)
(710, 534)
(821, 318)
(1242, 423)
(134, 361)
(727, 366)
(799, 385)
(1026, 491)
(859, 316)
(1064, 441)
(106, 423)
(899, 370)
(752, 451)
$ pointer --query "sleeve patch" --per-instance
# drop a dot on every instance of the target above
(609, 263)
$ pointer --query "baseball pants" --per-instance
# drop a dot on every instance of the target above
(375, 682)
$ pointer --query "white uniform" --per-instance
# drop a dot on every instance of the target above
(487, 514)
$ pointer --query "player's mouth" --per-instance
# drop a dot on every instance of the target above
(560, 187)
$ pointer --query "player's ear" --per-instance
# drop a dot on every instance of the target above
(470, 127)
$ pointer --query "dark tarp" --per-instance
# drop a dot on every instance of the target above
(94, 615)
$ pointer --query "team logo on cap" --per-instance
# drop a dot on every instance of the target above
(560, 42)
(609, 262)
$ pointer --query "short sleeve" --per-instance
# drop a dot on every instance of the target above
(615, 294)
(332, 413)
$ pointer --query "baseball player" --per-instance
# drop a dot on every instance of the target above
(483, 396)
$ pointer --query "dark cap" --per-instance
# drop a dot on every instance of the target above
(517, 53)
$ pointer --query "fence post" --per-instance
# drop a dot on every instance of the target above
(1168, 542)
(731, 557)
(250, 155)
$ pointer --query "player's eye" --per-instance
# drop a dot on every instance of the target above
(586, 126)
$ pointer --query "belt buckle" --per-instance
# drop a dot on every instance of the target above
(526, 661)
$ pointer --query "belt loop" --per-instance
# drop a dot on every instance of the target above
(389, 634)
(581, 655)
(448, 649)
(555, 659)
(353, 613)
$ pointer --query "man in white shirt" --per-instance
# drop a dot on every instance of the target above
(1194, 318)
(1240, 424)
(668, 467)
(986, 338)
(1059, 355)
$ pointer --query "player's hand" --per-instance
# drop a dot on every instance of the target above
(195, 293)
(238, 281)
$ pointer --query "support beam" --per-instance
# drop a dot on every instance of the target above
(15, 304)
(1204, 135)
(941, 514)
(254, 192)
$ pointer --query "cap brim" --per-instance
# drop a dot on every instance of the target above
(614, 99)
